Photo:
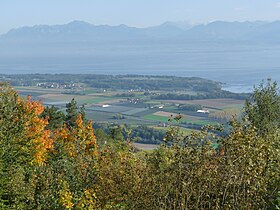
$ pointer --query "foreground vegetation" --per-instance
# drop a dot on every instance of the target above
(51, 161)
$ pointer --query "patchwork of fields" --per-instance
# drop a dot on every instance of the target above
(115, 107)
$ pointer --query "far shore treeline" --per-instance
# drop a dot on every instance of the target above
(204, 88)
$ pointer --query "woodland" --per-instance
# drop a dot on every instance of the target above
(55, 160)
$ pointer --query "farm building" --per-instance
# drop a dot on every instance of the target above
(105, 105)
(203, 111)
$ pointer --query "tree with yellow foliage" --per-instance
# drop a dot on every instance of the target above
(24, 144)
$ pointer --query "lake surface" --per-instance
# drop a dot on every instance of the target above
(240, 66)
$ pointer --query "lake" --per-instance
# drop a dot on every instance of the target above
(238, 65)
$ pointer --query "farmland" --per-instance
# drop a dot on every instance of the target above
(134, 101)
(106, 106)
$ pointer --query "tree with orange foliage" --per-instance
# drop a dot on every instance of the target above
(71, 169)
(24, 144)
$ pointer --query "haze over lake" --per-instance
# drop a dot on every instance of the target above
(240, 62)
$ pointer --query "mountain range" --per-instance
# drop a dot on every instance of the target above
(232, 52)
(257, 31)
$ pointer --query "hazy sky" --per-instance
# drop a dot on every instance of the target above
(140, 13)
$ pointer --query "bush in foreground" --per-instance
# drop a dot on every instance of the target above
(62, 167)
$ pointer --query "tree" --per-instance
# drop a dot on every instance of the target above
(54, 116)
(66, 182)
(25, 144)
(263, 111)
(71, 113)
(65, 168)
(117, 134)
(102, 137)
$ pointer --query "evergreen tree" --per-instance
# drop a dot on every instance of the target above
(82, 112)
(71, 113)
(55, 117)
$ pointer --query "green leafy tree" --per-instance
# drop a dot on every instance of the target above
(263, 110)
(102, 137)
(116, 133)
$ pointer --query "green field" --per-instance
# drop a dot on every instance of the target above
(156, 118)
(95, 100)
(133, 113)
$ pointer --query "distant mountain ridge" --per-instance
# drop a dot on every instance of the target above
(259, 31)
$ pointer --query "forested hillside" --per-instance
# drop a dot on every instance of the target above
(52, 160)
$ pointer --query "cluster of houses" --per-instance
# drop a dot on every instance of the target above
(134, 100)
(56, 85)
(135, 90)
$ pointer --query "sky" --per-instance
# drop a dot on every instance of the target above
(138, 13)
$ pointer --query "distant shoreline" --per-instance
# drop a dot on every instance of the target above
(238, 88)
(234, 86)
